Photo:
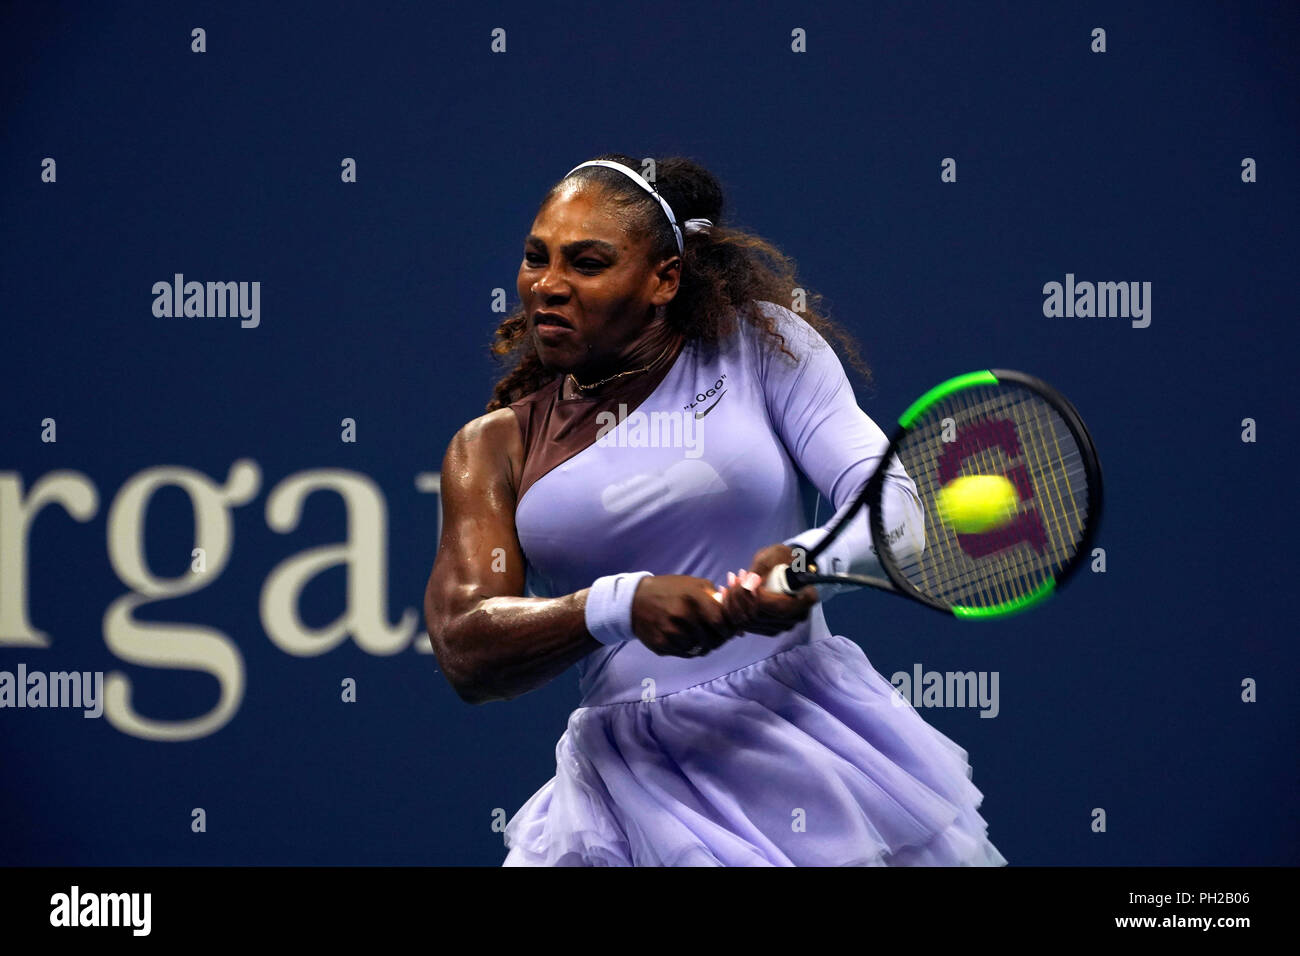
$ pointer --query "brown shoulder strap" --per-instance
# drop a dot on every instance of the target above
(554, 429)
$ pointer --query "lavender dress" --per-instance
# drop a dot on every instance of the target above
(770, 751)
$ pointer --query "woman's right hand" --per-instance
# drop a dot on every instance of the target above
(676, 615)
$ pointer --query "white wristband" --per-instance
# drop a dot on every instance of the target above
(609, 606)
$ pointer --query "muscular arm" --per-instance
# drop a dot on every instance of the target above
(492, 643)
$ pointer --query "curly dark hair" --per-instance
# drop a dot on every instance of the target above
(725, 272)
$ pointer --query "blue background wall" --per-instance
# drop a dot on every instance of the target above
(1124, 693)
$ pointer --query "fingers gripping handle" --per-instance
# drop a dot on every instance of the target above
(776, 580)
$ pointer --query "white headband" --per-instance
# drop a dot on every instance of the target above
(691, 225)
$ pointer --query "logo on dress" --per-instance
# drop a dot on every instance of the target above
(718, 388)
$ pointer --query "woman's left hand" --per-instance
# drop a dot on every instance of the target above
(753, 608)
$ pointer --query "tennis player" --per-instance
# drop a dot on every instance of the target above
(636, 477)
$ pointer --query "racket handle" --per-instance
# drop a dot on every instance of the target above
(776, 580)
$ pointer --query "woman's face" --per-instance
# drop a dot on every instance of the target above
(595, 280)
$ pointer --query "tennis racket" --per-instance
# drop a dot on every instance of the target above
(992, 422)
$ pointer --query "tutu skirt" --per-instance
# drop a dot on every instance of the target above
(806, 758)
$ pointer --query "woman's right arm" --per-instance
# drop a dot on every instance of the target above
(491, 643)
(494, 644)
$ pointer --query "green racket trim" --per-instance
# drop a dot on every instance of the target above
(942, 391)
(1043, 592)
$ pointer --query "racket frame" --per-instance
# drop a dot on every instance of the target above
(873, 491)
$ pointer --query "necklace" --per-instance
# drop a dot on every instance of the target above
(583, 388)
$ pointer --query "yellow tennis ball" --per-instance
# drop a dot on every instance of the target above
(974, 503)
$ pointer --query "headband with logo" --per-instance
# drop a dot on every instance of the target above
(691, 225)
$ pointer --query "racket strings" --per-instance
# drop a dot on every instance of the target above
(1012, 571)
(1009, 572)
(1015, 573)
(1045, 449)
